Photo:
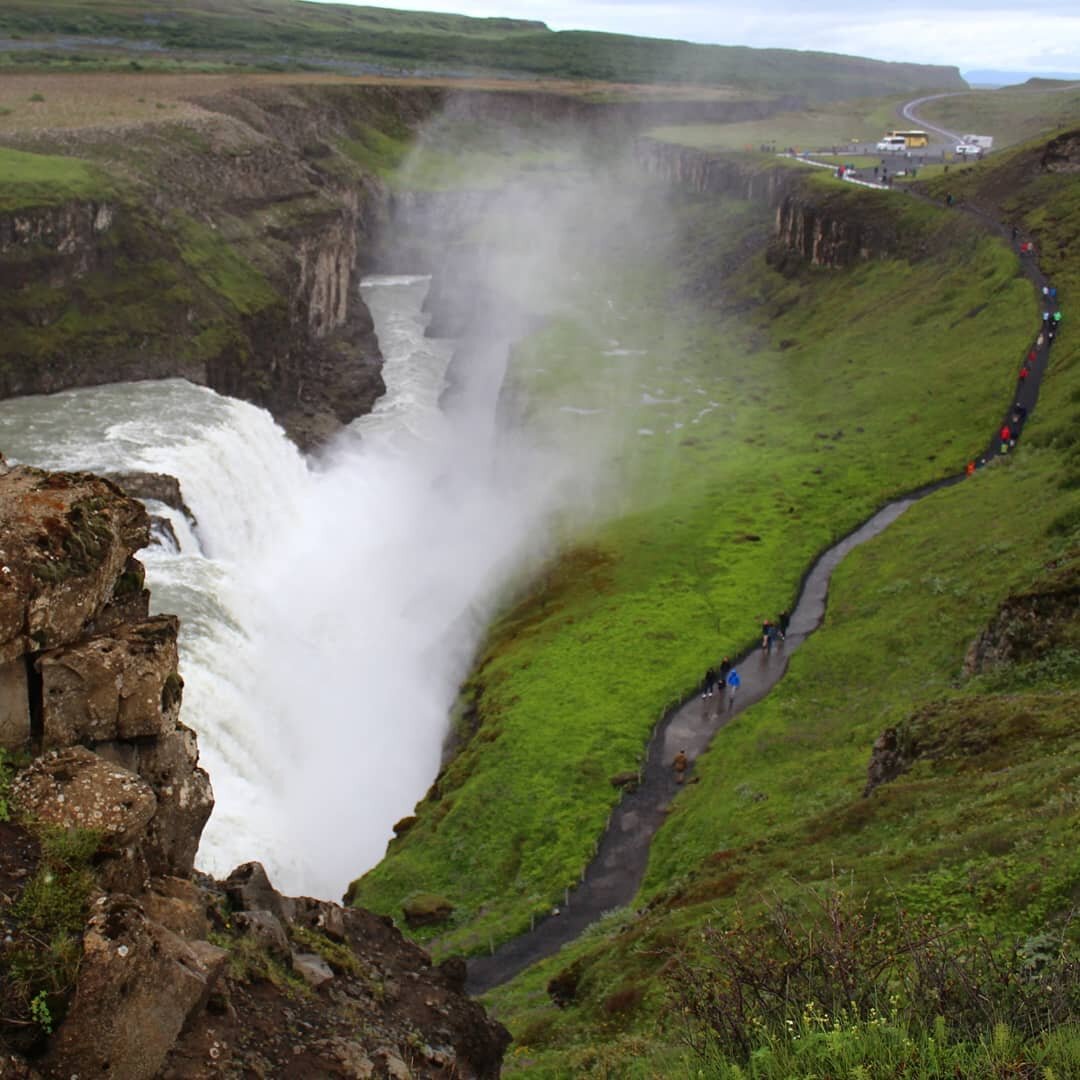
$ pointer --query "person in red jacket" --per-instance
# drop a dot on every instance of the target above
(1006, 438)
(1024, 372)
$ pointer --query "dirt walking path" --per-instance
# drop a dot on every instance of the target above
(612, 878)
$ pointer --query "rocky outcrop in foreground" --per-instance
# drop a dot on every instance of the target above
(117, 959)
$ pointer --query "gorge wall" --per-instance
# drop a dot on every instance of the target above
(226, 249)
(121, 960)
(814, 221)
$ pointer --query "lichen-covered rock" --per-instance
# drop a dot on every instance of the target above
(138, 985)
(65, 539)
(1029, 625)
(76, 789)
(122, 685)
(319, 915)
(153, 487)
(179, 905)
(887, 760)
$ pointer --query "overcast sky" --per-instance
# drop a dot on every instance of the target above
(1008, 34)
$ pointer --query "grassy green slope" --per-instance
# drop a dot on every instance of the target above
(29, 180)
(449, 41)
(843, 388)
(148, 281)
(982, 831)
(986, 833)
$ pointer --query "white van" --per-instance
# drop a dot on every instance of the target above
(892, 144)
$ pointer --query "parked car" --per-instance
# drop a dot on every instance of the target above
(968, 150)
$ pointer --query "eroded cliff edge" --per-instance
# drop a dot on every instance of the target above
(226, 247)
(118, 959)
(816, 221)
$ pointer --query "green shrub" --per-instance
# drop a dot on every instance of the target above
(826, 985)
(46, 923)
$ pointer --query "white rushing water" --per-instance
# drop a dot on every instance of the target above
(328, 611)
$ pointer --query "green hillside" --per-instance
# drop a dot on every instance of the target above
(836, 389)
(1011, 114)
(290, 31)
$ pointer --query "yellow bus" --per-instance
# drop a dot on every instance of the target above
(913, 140)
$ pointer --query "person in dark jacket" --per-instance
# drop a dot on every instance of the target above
(710, 683)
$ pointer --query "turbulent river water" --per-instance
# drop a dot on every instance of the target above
(329, 608)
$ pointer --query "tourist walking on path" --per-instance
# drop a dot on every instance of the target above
(784, 619)
(725, 670)
(680, 765)
(710, 683)
(733, 684)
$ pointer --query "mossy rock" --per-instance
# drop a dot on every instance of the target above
(426, 909)
(404, 825)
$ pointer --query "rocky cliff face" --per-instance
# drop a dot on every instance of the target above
(1030, 625)
(830, 232)
(831, 229)
(117, 959)
(227, 249)
(703, 172)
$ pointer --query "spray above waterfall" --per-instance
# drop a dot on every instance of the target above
(333, 607)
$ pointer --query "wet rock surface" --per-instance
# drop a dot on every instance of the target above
(153, 487)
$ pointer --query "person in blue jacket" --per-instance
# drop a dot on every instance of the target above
(733, 683)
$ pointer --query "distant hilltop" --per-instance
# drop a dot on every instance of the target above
(290, 34)
(1017, 78)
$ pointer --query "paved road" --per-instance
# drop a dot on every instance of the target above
(909, 110)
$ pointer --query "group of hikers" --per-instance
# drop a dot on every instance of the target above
(719, 680)
(726, 678)
(1010, 430)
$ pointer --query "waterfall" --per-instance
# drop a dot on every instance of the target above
(329, 611)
